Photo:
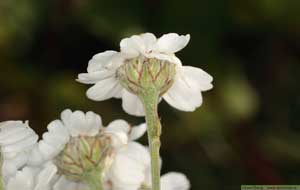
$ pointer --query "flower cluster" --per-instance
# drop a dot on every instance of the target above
(79, 153)
(75, 146)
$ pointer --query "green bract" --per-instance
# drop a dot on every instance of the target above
(140, 74)
(85, 155)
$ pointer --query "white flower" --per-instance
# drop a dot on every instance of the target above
(72, 125)
(184, 94)
(16, 141)
(30, 178)
(120, 132)
(76, 129)
(129, 169)
(136, 174)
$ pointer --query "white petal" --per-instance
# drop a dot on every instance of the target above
(119, 139)
(23, 180)
(102, 66)
(139, 153)
(12, 165)
(119, 130)
(126, 174)
(66, 116)
(5, 124)
(132, 104)
(57, 128)
(9, 169)
(56, 138)
(174, 181)
(166, 57)
(76, 124)
(132, 173)
(118, 125)
(30, 178)
(118, 92)
(104, 89)
(94, 122)
(36, 157)
(94, 77)
(132, 46)
(8, 129)
(16, 134)
(182, 96)
(172, 42)
(138, 131)
(100, 60)
(47, 151)
(45, 177)
(53, 140)
(197, 78)
(23, 145)
(149, 40)
(79, 123)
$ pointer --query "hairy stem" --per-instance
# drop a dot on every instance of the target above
(150, 102)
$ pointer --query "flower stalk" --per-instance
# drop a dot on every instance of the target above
(150, 102)
(149, 79)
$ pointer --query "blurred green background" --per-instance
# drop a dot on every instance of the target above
(248, 129)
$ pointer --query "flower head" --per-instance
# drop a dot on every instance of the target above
(16, 141)
(78, 143)
(146, 61)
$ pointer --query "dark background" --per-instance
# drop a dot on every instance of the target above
(248, 129)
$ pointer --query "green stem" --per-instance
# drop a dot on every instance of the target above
(94, 180)
(150, 102)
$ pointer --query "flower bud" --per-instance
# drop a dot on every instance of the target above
(140, 74)
(85, 154)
